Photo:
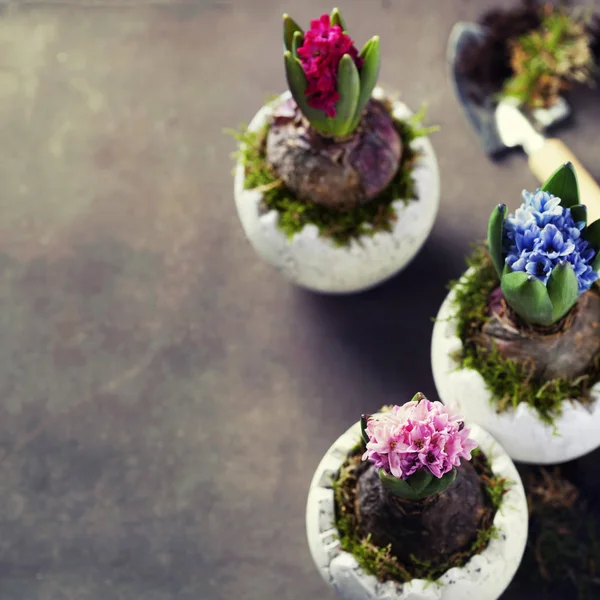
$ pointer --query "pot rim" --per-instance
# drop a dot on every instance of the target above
(511, 520)
(523, 407)
(426, 164)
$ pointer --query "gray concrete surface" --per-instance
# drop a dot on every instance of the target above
(165, 396)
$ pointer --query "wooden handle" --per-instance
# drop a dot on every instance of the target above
(554, 153)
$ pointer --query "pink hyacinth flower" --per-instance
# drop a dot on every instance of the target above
(417, 435)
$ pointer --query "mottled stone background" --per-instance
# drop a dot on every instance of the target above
(165, 396)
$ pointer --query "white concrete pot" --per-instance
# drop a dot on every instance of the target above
(484, 577)
(526, 438)
(315, 262)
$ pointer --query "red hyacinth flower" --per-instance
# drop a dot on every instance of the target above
(320, 55)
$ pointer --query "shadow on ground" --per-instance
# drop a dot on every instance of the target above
(387, 330)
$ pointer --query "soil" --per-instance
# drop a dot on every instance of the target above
(488, 65)
(436, 531)
(338, 174)
(562, 556)
(567, 350)
(430, 530)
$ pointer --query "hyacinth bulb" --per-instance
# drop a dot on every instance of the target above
(330, 81)
(546, 254)
(416, 447)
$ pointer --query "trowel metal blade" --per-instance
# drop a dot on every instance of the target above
(478, 107)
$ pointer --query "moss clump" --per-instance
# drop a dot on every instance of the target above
(380, 561)
(551, 59)
(562, 557)
(509, 383)
(471, 294)
(340, 225)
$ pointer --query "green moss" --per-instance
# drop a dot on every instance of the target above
(551, 58)
(472, 293)
(340, 225)
(358, 448)
(495, 488)
(380, 561)
(509, 383)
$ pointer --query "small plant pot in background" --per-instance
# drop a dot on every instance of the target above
(526, 438)
(484, 577)
(314, 261)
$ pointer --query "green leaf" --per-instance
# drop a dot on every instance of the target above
(419, 480)
(563, 184)
(363, 428)
(591, 234)
(297, 42)
(348, 85)
(528, 297)
(563, 290)
(418, 397)
(439, 485)
(419, 485)
(596, 263)
(579, 213)
(494, 236)
(289, 28)
(397, 487)
(297, 83)
(369, 74)
(336, 18)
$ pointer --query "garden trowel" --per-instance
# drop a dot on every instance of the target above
(501, 125)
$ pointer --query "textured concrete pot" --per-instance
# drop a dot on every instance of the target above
(520, 431)
(484, 577)
(315, 262)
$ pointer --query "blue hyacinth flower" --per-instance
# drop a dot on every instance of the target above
(539, 265)
(553, 244)
(546, 254)
(544, 206)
